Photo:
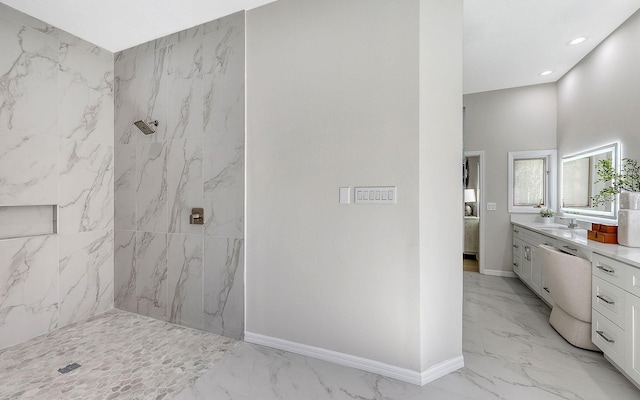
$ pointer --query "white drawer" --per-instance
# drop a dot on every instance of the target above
(546, 240)
(531, 236)
(517, 231)
(608, 300)
(545, 293)
(517, 264)
(609, 269)
(574, 249)
(609, 337)
(517, 246)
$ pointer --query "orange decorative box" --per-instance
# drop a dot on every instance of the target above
(604, 237)
(604, 228)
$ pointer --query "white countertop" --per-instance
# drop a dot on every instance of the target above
(629, 255)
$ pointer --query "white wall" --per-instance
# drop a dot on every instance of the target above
(440, 182)
(499, 122)
(333, 91)
(599, 99)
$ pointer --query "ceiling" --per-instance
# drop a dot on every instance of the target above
(507, 43)
(116, 25)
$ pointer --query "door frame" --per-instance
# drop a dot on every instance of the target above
(479, 205)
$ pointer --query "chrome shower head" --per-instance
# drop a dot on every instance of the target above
(146, 127)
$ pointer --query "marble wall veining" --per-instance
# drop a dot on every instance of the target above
(56, 148)
(192, 82)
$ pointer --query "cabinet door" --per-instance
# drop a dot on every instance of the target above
(632, 331)
(526, 262)
(536, 270)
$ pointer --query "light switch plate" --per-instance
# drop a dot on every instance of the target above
(491, 206)
(344, 195)
(375, 195)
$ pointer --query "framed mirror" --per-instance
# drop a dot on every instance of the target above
(579, 182)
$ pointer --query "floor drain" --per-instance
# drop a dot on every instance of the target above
(69, 368)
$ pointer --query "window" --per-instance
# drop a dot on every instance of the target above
(532, 180)
(529, 176)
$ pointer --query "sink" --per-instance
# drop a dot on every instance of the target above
(557, 228)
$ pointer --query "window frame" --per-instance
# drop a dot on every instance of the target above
(550, 182)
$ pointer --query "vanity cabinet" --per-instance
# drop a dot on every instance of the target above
(615, 325)
(615, 288)
(526, 260)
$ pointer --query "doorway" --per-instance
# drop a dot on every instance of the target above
(473, 249)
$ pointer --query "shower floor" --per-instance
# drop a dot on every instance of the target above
(122, 355)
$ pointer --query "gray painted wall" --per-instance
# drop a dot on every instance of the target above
(499, 122)
(192, 82)
(334, 101)
(599, 99)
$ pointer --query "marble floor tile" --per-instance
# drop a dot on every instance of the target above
(510, 353)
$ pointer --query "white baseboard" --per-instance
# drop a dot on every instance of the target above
(441, 369)
(364, 364)
(499, 272)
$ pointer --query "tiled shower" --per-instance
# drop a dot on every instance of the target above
(192, 83)
(92, 210)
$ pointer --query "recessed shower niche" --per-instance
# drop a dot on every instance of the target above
(24, 221)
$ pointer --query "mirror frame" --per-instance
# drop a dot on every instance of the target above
(581, 212)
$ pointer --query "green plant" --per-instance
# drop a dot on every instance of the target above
(627, 180)
(546, 213)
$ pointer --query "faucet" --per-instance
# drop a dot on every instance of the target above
(572, 222)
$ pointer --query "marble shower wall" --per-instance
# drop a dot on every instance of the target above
(192, 82)
(56, 148)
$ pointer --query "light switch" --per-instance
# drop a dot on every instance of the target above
(375, 195)
(491, 206)
(344, 195)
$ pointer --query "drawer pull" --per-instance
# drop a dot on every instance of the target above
(516, 231)
(602, 335)
(515, 246)
(515, 265)
(605, 269)
(546, 289)
(569, 248)
(605, 299)
(547, 244)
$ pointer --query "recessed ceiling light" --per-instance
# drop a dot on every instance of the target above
(577, 40)
(545, 73)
